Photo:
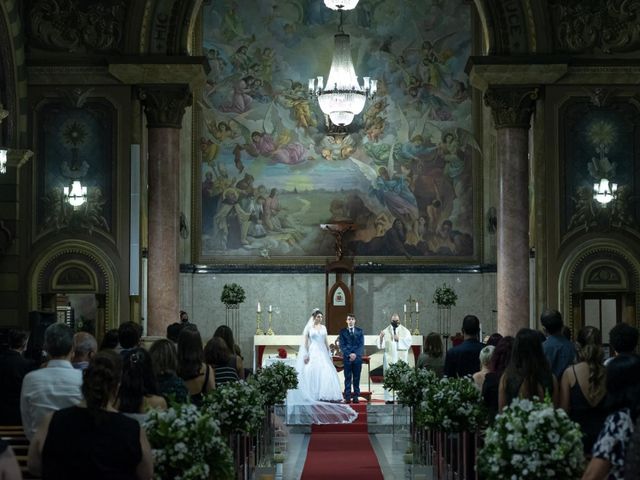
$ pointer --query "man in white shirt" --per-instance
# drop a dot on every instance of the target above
(56, 386)
(396, 341)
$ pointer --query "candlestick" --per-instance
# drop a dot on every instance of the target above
(270, 330)
(259, 330)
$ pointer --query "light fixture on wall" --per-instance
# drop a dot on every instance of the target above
(342, 97)
(341, 4)
(76, 195)
(604, 191)
(3, 160)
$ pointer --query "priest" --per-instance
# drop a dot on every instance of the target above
(395, 339)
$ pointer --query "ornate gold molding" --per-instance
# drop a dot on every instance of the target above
(165, 105)
(511, 107)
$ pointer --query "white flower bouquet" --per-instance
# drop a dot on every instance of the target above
(445, 296)
(274, 381)
(532, 440)
(187, 445)
(395, 375)
(453, 405)
(238, 406)
(413, 385)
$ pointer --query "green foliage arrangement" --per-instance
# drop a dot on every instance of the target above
(531, 440)
(395, 375)
(186, 444)
(445, 296)
(232, 294)
(274, 381)
(238, 407)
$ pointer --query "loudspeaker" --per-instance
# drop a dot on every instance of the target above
(38, 323)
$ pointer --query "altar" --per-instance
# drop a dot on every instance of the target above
(265, 352)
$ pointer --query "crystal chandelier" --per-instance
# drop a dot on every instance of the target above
(77, 195)
(342, 98)
(341, 4)
(605, 191)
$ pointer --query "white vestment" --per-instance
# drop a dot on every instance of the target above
(394, 351)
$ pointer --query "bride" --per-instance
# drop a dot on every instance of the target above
(318, 384)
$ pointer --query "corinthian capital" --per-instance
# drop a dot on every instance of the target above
(511, 106)
(164, 105)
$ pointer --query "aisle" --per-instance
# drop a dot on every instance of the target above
(342, 451)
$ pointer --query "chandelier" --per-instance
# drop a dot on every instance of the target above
(341, 4)
(76, 195)
(604, 191)
(342, 97)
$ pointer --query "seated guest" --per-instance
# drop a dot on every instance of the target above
(528, 374)
(110, 340)
(9, 468)
(499, 361)
(173, 331)
(198, 377)
(623, 401)
(485, 358)
(623, 339)
(558, 349)
(164, 360)
(138, 389)
(226, 334)
(129, 335)
(431, 357)
(13, 367)
(218, 355)
(56, 386)
(92, 440)
(464, 359)
(583, 387)
(84, 348)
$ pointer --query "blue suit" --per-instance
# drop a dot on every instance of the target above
(352, 343)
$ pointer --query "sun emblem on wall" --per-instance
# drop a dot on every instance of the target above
(74, 134)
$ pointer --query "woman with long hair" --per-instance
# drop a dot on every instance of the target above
(138, 390)
(198, 377)
(164, 360)
(92, 440)
(583, 387)
(528, 374)
(224, 332)
(432, 357)
(499, 360)
(623, 403)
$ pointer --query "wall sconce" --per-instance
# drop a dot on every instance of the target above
(77, 195)
(3, 160)
(605, 191)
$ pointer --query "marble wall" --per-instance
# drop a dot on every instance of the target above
(294, 295)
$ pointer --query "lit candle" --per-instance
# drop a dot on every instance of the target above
(259, 308)
(405, 308)
(417, 309)
(269, 308)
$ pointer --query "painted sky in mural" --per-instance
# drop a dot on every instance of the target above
(269, 172)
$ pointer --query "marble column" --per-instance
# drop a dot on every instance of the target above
(512, 108)
(164, 106)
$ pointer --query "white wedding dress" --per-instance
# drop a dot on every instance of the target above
(318, 384)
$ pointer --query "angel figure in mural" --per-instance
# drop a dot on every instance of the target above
(621, 210)
(296, 100)
(232, 222)
(600, 167)
(584, 215)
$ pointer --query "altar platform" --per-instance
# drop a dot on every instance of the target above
(266, 352)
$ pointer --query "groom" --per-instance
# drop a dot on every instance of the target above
(352, 347)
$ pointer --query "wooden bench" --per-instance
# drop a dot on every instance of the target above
(15, 437)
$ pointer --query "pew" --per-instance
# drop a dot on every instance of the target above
(15, 437)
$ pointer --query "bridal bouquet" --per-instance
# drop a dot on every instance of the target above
(238, 406)
(452, 404)
(445, 296)
(187, 445)
(532, 441)
(275, 381)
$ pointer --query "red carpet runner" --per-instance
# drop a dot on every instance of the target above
(342, 451)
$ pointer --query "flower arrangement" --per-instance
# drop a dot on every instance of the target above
(533, 441)
(395, 375)
(238, 406)
(282, 352)
(412, 385)
(451, 404)
(445, 296)
(274, 381)
(187, 445)
(232, 294)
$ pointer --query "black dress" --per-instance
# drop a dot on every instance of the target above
(591, 419)
(81, 446)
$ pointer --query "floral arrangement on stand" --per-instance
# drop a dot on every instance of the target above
(186, 444)
(533, 441)
(395, 375)
(410, 383)
(232, 294)
(275, 381)
(238, 406)
(445, 296)
(453, 405)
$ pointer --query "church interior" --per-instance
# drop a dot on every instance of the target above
(156, 152)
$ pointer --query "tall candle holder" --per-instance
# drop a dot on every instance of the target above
(259, 330)
(414, 308)
(270, 330)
